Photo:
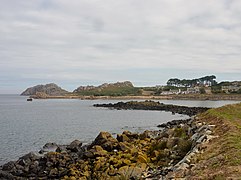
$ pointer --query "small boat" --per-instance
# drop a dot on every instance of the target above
(29, 99)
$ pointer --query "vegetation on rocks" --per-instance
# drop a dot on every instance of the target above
(50, 89)
(113, 89)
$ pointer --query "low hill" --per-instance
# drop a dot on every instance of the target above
(50, 89)
(108, 89)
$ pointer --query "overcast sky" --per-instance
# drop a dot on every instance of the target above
(89, 42)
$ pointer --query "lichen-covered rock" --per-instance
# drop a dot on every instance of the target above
(122, 138)
(106, 141)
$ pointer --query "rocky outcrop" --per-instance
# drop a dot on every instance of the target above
(153, 105)
(45, 90)
(104, 86)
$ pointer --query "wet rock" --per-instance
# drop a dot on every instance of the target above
(98, 151)
(8, 166)
(88, 154)
(74, 146)
(6, 176)
(53, 172)
(123, 146)
(106, 141)
(131, 135)
(122, 138)
(48, 147)
(152, 105)
(61, 148)
(145, 134)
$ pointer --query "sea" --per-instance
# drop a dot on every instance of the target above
(26, 126)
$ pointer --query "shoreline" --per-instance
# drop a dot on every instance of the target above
(201, 97)
(131, 155)
(190, 149)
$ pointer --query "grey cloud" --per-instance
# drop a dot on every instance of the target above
(49, 39)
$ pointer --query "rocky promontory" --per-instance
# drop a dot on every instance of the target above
(50, 89)
(125, 84)
(104, 87)
(154, 105)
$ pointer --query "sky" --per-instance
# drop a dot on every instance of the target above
(90, 42)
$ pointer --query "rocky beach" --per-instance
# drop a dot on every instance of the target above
(148, 155)
(151, 154)
(204, 146)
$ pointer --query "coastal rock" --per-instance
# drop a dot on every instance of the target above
(106, 141)
(8, 166)
(48, 89)
(6, 176)
(156, 106)
(122, 138)
(49, 147)
(74, 146)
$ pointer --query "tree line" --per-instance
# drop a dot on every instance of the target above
(203, 81)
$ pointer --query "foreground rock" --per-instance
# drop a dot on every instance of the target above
(153, 105)
(45, 90)
(149, 155)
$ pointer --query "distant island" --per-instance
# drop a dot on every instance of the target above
(203, 88)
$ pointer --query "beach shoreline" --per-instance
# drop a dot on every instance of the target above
(166, 97)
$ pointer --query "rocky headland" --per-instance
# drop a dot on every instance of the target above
(43, 91)
(104, 86)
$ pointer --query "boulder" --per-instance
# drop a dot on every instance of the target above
(122, 138)
(131, 135)
(74, 146)
(48, 147)
(106, 141)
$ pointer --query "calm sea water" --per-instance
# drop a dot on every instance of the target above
(27, 126)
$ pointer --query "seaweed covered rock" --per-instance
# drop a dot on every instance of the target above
(106, 141)
(156, 106)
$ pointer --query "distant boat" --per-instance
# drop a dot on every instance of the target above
(29, 99)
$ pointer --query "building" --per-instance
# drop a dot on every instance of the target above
(228, 89)
(171, 92)
(193, 90)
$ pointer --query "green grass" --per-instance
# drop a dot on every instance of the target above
(224, 152)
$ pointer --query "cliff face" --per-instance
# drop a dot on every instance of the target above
(104, 86)
(49, 89)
